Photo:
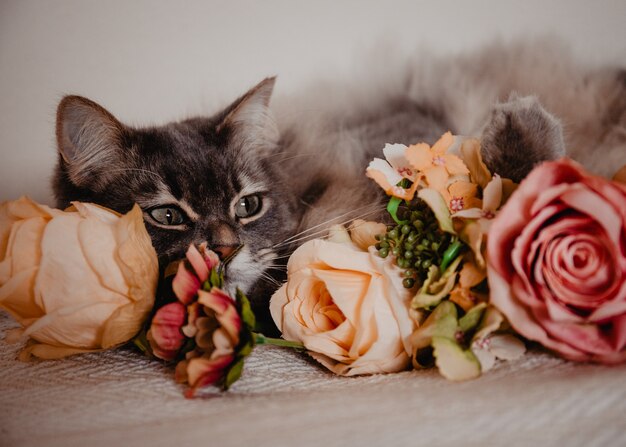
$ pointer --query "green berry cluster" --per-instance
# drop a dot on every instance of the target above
(416, 244)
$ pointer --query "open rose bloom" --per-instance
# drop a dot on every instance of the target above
(347, 306)
(557, 262)
(77, 281)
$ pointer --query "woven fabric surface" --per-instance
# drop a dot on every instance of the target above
(284, 398)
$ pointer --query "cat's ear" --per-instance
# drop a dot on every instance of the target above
(88, 139)
(249, 121)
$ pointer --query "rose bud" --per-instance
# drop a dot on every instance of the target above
(77, 281)
(165, 335)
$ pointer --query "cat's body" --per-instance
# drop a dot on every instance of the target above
(239, 179)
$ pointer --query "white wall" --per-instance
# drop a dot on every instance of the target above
(154, 61)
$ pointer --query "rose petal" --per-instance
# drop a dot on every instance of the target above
(225, 310)
(211, 258)
(363, 233)
(185, 284)
(346, 288)
(198, 263)
(203, 372)
(522, 321)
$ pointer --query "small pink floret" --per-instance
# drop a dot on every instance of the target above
(165, 336)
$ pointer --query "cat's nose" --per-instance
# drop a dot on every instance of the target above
(224, 251)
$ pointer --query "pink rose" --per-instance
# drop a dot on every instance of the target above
(557, 262)
(347, 306)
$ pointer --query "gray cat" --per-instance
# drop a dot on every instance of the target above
(240, 179)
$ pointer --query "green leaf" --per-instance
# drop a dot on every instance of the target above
(439, 207)
(246, 310)
(451, 253)
(472, 318)
(215, 278)
(392, 208)
(454, 362)
(234, 373)
(247, 348)
(434, 289)
(442, 322)
(141, 341)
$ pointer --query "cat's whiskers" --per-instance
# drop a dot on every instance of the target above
(341, 216)
(295, 156)
(275, 154)
(324, 231)
(266, 277)
(276, 267)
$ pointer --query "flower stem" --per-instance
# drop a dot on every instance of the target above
(450, 254)
(261, 339)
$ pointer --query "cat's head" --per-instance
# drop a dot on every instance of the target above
(213, 179)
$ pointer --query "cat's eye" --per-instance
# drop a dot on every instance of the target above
(248, 206)
(167, 215)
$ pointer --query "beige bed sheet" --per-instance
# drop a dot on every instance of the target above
(119, 398)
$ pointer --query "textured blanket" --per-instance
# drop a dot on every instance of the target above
(119, 398)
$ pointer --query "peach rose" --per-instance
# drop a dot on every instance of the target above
(77, 281)
(347, 306)
(557, 262)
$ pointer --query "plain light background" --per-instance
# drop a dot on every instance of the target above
(149, 62)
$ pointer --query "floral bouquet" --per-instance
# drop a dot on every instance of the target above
(471, 268)
(472, 263)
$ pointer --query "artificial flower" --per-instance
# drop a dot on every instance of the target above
(215, 329)
(435, 163)
(463, 294)
(471, 156)
(388, 174)
(461, 195)
(442, 339)
(209, 332)
(347, 306)
(488, 345)
(165, 335)
(439, 207)
(437, 286)
(77, 281)
(492, 198)
(191, 275)
(557, 262)
(363, 233)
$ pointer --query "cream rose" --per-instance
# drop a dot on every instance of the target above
(77, 281)
(347, 306)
